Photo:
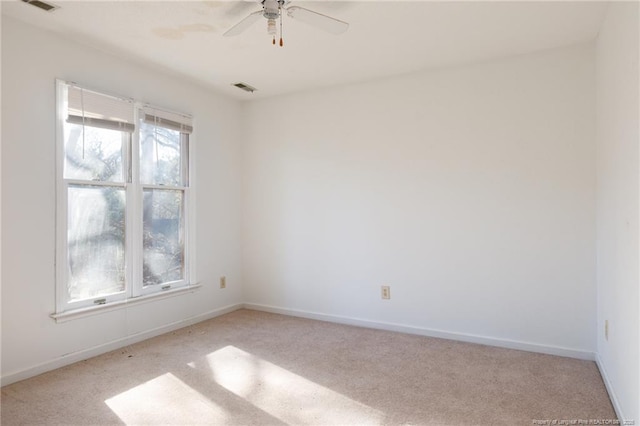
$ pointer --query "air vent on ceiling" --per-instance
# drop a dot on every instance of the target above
(245, 87)
(47, 7)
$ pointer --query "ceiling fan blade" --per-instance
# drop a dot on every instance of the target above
(318, 20)
(244, 24)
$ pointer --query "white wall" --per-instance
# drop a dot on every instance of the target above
(470, 191)
(617, 205)
(31, 60)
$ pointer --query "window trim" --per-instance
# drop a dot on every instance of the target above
(135, 291)
(78, 313)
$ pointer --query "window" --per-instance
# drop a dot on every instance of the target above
(123, 199)
(164, 177)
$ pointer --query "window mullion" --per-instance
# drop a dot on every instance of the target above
(186, 223)
(184, 156)
(127, 142)
(135, 214)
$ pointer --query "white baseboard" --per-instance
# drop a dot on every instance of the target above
(609, 386)
(470, 338)
(113, 345)
(135, 338)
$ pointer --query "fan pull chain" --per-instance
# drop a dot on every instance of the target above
(281, 43)
(271, 29)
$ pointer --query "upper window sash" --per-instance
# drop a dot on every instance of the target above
(89, 153)
(164, 154)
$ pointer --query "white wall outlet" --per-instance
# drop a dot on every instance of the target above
(223, 282)
(606, 329)
(386, 292)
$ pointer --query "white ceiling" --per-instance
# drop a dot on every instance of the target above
(384, 38)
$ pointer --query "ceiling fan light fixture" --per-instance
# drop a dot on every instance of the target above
(271, 27)
(271, 8)
(274, 9)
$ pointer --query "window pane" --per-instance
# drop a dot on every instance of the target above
(160, 155)
(163, 230)
(97, 156)
(96, 239)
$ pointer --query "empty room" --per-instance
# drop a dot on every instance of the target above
(320, 212)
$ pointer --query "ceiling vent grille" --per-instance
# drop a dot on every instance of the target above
(47, 7)
(245, 87)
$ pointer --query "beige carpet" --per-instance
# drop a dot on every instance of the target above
(255, 368)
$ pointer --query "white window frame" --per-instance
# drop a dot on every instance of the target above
(185, 188)
(134, 287)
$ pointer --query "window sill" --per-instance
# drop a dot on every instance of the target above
(114, 306)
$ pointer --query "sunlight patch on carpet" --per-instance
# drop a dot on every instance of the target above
(283, 394)
(165, 400)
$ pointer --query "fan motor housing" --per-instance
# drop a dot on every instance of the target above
(272, 8)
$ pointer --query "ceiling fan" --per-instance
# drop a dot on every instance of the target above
(272, 10)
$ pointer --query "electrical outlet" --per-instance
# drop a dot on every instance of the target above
(606, 329)
(223, 282)
(386, 292)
